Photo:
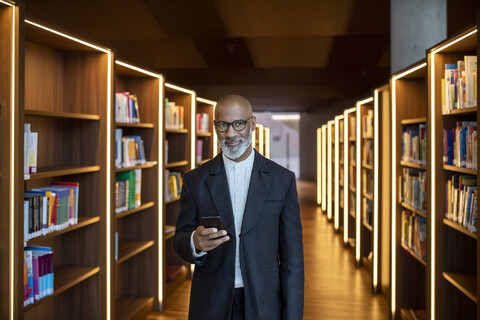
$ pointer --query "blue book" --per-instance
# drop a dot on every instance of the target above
(463, 147)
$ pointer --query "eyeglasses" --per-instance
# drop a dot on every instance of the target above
(238, 125)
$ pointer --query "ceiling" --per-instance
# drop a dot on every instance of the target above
(283, 55)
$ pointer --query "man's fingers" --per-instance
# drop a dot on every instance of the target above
(217, 234)
(206, 231)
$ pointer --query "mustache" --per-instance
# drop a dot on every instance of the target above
(233, 139)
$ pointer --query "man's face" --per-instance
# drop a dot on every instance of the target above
(234, 143)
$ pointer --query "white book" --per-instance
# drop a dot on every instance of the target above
(470, 67)
(32, 152)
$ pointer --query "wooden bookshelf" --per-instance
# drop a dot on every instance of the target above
(258, 139)
(207, 140)
(129, 307)
(349, 176)
(135, 272)
(454, 277)
(180, 158)
(409, 108)
(364, 186)
(338, 174)
(67, 100)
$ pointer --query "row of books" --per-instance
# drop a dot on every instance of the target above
(29, 150)
(126, 108)
(413, 188)
(173, 115)
(128, 187)
(459, 85)
(460, 145)
(368, 123)
(129, 150)
(174, 182)
(368, 211)
(414, 233)
(414, 143)
(352, 124)
(368, 182)
(199, 150)
(37, 274)
(352, 176)
(203, 123)
(368, 152)
(461, 201)
(51, 208)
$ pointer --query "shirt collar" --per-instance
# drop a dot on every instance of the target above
(244, 163)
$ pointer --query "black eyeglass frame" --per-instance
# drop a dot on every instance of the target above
(243, 123)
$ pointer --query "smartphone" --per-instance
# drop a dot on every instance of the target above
(212, 222)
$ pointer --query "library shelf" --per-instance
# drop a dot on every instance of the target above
(367, 166)
(133, 307)
(410, 208)
(367, 136)
(367, 195)
(202, 162)
(353, 189)
(169, 235)
(65, 115)
(204, 135)
(351, 139)
(66, 277)
(52, 172)
(338, 172)
(171, 287)
(413, 121)
(141, 208)
(352, 214)
(130, 248)
(414, 255)
(135, 125)
(466, 283)
(451, 264)
(172, 200)
(349, 158)
(368, 226)
(176, 164)
(413, 165)
(82, 223)
(459, 227)
(148, 165)
(330, 168)
(179, 131)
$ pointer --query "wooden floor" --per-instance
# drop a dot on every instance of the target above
(334, 288)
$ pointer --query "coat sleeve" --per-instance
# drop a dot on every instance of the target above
(187, 222)
(292, 275)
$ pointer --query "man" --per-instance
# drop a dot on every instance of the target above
(253, 269)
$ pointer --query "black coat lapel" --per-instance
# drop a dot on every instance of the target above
(257, 193)
(219, 191)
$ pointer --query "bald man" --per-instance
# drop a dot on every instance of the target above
(253, 268)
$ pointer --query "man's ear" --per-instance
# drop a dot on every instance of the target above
(254, 123)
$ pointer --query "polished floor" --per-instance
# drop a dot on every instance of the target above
(334, 288)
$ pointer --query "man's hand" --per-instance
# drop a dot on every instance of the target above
(209, 239)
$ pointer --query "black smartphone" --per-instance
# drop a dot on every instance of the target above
(212, 222)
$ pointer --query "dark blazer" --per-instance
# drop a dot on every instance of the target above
(271, 248)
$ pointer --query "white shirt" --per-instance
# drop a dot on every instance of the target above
(238, 178)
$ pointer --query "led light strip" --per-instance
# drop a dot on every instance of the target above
(267, 142)
(394, 184)
(193, 130)
(329, 170)
(376, 177)
(324, 168)
(336, 220)
(346, 164)
(319, 166)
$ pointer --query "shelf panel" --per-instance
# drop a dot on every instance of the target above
(135, 125)
(130, 248)
(352, 189)
(61, 171)
(171, 287)
(131, 307)
(466, 283)
(414, 121)
(129, 212)
(148, 165)
(172, 200)
(176, 130)
(168, 236)
(459, 227)
(469, 110)
(367, 166)
(351, 213)
(202, 162)
(367, 195)
(366, 225)
(204, 135)
(352, 139)
(473, 172)
(176, 164)
(367, 136)
(82, 222)
(414, 255)
(410, 208)
(413, 165)
(66, 277)
(65, 115)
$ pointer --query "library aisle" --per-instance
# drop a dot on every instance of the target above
(334, 288)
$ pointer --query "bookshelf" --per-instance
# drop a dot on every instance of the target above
(11, 162)
(364, 188)
(330, 164)
(258, 139)
(382, 194)
(207, 137)
(68, 98)
(136, 277)
(179, 157)
(266, 139)
(409, 110)
(453, 272)
(349, 176)
(338, 173)
(319, 166)
(324, 167)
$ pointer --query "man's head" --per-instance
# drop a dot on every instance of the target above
(234, 123)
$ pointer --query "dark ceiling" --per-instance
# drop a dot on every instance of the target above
(284, 55)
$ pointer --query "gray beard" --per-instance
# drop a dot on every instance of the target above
(236, 152)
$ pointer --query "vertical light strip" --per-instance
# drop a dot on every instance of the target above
(329, 171)
(161, 176)
(193, 132)
(12, 169)
(108, 222)
(214, 134)
(336, 221)
(254, 137)
(319, 166)
(267, 142)
(376, 177)
(260, 139)
(324, 168)
(432, 188)
(346, 188)
(358, 186)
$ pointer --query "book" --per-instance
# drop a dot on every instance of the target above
(199, 150)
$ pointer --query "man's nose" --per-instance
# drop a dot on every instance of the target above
(231, 132)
